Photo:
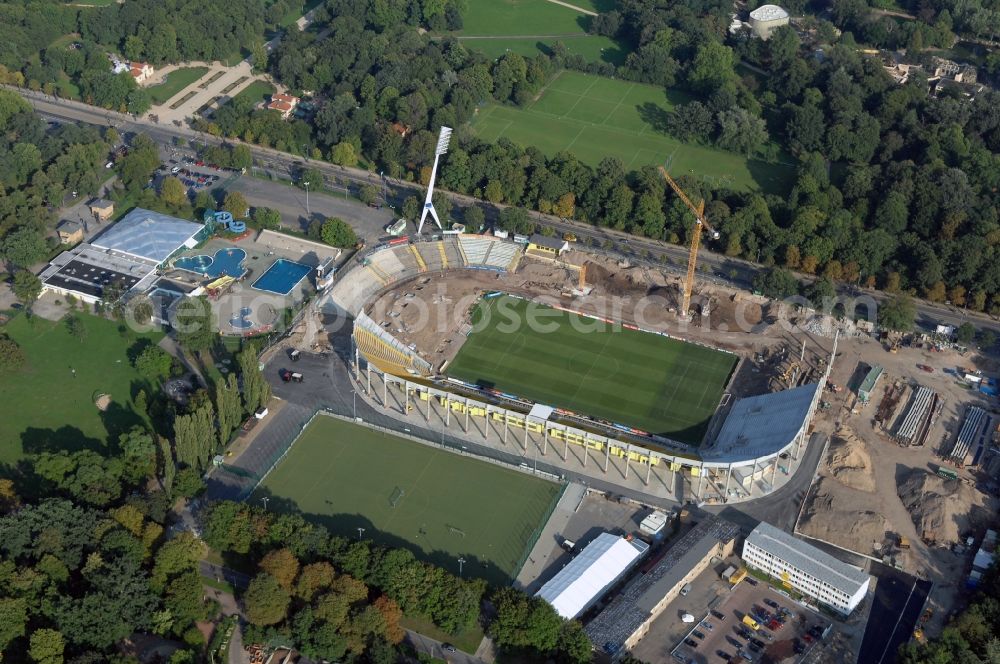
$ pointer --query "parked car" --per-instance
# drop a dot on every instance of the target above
(448, 647)
(691, 642)
(757, 642)
(751, 581)
(724, 655)
(718, 614)
(698, 635)
(771, 603)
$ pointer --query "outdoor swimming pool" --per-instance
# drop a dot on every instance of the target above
(281, 277)
(227, 262)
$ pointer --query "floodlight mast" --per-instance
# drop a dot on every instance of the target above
(442, 148)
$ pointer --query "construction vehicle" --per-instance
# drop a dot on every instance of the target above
(700, 224)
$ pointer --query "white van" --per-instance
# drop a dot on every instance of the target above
(685, 590)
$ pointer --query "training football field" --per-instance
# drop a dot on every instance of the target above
(594, 117)
(440, 505)
(639, 379)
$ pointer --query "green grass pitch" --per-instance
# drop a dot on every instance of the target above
(523, 17)
(346, 476)
(639, 379)
(595, 117)
(48, 404)
(175, 81)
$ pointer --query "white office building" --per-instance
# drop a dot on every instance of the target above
(805, 569)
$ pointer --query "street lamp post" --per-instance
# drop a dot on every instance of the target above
(264, 500)
(305, 183)
(361, 532)
(461, 563)
(355, 393)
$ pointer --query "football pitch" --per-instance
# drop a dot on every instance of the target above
(638, 379)
(440, 505)
(594, 117)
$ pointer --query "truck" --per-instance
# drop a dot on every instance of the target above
(947, 473)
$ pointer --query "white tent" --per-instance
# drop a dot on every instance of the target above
(591, 573)
(687, 617)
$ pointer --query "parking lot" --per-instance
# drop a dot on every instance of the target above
(786, 631)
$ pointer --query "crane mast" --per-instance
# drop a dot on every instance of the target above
(700, 224)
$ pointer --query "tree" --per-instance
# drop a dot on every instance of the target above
(23, 247)
(265, 218)
(712, 67)
(13, 618)
(474, 218)
(265, 601)
(337, 233)
(26, 287)
(282, 565)
(821, 292)
(515, 220)
(236, 204)
(173, 193)
(965, 333)
(240, 157)
(168, 465)
(136, 168)
(76, 328)
(11, 355)
(47, 646)
(139, 455)
(344, 154)
(987, 339)
(368, 193)
(897, 314)
(740, 131)
(227, 407)
(256, 390)
(411, 208)
(178, 555)
(153, 364)
(776, 283)
(194, 323)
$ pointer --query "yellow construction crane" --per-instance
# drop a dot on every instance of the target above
(700, 224)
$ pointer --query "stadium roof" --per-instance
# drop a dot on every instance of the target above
(148, 235)
(588, 576)
(768, 13)
(807, 558)
(762, 425)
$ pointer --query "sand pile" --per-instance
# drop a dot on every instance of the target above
(849, 462)
(842, 520)
(942, 509)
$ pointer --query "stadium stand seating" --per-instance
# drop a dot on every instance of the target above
(421, 265)
(385, 351)
(453, 252)
(433, 254)
(502, 254)
(475, 248)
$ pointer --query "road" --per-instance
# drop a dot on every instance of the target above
(734, 272)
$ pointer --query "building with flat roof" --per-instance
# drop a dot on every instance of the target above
(124, 258)
(581, 583)
(628, 617)
(544, 244)
(805, 568)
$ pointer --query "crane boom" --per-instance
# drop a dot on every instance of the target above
(700, 224)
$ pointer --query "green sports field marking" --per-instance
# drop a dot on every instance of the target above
(658, 384)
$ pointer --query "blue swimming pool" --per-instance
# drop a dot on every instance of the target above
(281, 277)
(226, 262)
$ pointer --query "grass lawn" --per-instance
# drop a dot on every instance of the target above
(346, 477)
(256, 92)
(93, 3)
(466, 640)
(294, 14)
(593, 47)
(639, 379)
(47, 406)
(595, 117)
(176, 81)
(523, 17)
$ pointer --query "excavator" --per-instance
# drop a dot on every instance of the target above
(701, 223)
